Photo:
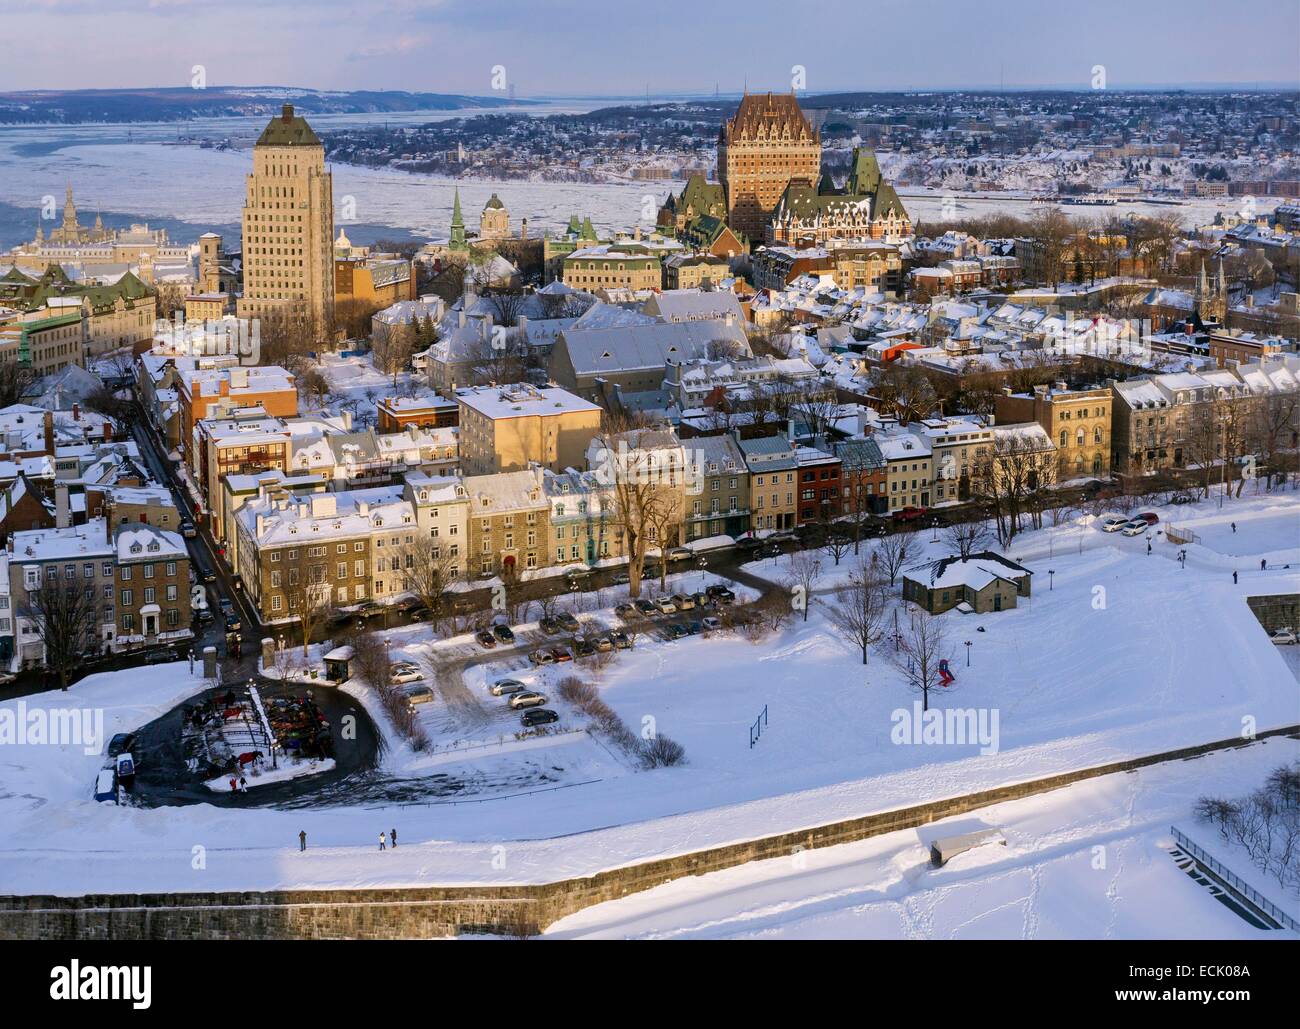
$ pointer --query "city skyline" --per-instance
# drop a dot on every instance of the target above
(936, 45)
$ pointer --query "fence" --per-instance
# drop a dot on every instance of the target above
(756, 730)
(1248, 892)
(1180, 536)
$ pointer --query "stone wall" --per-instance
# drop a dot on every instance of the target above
(424, 912)
(1281, 610)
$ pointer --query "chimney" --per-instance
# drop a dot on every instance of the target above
(461, 318)
(49, 432)
(62, 507)
(286, 113)
(76, 412)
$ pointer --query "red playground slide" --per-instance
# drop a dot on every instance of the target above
(946, 678)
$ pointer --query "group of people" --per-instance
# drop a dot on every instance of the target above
(386, 839)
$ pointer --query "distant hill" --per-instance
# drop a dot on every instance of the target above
(118, 106)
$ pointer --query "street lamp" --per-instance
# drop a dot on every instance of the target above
(1051, 575)
(968, 653)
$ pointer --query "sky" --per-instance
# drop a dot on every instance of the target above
(612, 48)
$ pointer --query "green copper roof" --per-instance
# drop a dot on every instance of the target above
(288, 129)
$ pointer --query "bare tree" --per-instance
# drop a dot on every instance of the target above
(427, 570)
(860, 606)
(64, 617)
(921, 656)
(310, 605)
(895, 550)
(805, 572)
(966, 538)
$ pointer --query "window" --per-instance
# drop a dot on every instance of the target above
(150, 595)
(126, 573)
(171, 592)
(128, 598)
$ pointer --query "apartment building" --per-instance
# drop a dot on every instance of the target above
(207, 392)
(303, 554)
(507, 521)
(506, 428)
(1078, 421)
(957, 446)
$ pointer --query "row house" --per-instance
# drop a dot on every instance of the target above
(507, 520)
(718, 493)
(820, 487)
(956, 446)
(772, 464)
(583, 515)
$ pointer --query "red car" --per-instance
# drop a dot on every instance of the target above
(909, 514)
(1150, 517)
(561, 654)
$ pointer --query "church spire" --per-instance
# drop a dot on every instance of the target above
(457, 241)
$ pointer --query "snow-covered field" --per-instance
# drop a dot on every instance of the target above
(1125, 654)
(1087, 862)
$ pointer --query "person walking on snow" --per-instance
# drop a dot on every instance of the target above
(382, 838)
(393, 836)
(1234, 528)
(302, 839)
(1234, 577)
(1263, 564)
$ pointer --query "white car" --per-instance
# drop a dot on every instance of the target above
(1113, 523)
(525, 699)
(401, 674)
(1284, 636)
(504, 687)
(1135, 528)
(665, 606)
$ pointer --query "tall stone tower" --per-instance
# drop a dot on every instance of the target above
(288, 226)
(210, 263)
(764, 147)
(494, 222)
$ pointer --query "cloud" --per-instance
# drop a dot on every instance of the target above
(404, 44)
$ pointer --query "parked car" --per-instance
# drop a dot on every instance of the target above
(503, 633)
(712, 623)
(604, 645)
(550, 625)
(505, 687)
(680, 554)
(188, 530)
(209, 575)
(160, 657)
(1135, 528)
(748, 543)
(1182, 498)
(625, 611)
(665, 606)
(1284, 636)
(584, 647)
(233, 624)
(122, 743)
(567, 622)
(417, 694)
(1113, 523)
(485, 638)
(106, 785)
(621, 579)
(1150, 517)
(644, 606)
(370, 609)
(538, 716)
(620, 639)
(677, 631)
(527, 698)
(683, 602)
(694, 628)
(419, 614)
(909, 514)
(724, 596)
(542, 657)
(561, 654)
(402, 672)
